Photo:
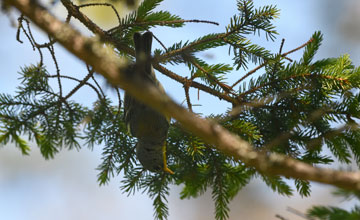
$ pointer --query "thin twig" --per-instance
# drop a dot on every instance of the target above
(265, 62)
(76, 88)
(276, 65)
(186, 88)
(280, 217)
(298, 48)
(297, 212)
(313, 116)
(52, 52)
(68, 18)
(28, 35)
(119, 100)
(35, 44)
(99, 87)
(95, 81)
(249, 73)
(161, 43)
(19, 28)
(60, 100)
(75, 79)
(281, 45)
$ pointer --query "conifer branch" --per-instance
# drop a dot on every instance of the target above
(189, 47)
(265, 62)
(92, 53)
(307, 75)
(249, 73)
(298, 48)
(160, 23)
(225, 87)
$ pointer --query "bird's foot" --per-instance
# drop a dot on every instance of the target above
(165, 168)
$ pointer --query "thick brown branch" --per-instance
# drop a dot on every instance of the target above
(107, 65)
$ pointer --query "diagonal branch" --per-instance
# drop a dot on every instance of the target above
(160, 23)
(108, 65)
(183, 80)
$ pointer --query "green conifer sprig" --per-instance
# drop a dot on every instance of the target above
(142, 19)
(105, 126)
(38, 112)
(226, 179)
(277, 184)
(157, 187)
(212, 75)
(132, 181)
(303, 187)
(329, 212)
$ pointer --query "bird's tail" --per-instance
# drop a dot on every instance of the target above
(143, 50)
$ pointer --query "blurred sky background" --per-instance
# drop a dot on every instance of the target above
(66, 187)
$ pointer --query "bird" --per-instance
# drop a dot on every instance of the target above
(149, 126)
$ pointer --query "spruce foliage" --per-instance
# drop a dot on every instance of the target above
(294, 108)
(335, 213)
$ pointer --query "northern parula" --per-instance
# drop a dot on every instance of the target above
(148, 125)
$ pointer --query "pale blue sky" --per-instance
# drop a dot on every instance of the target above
(66, 188)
